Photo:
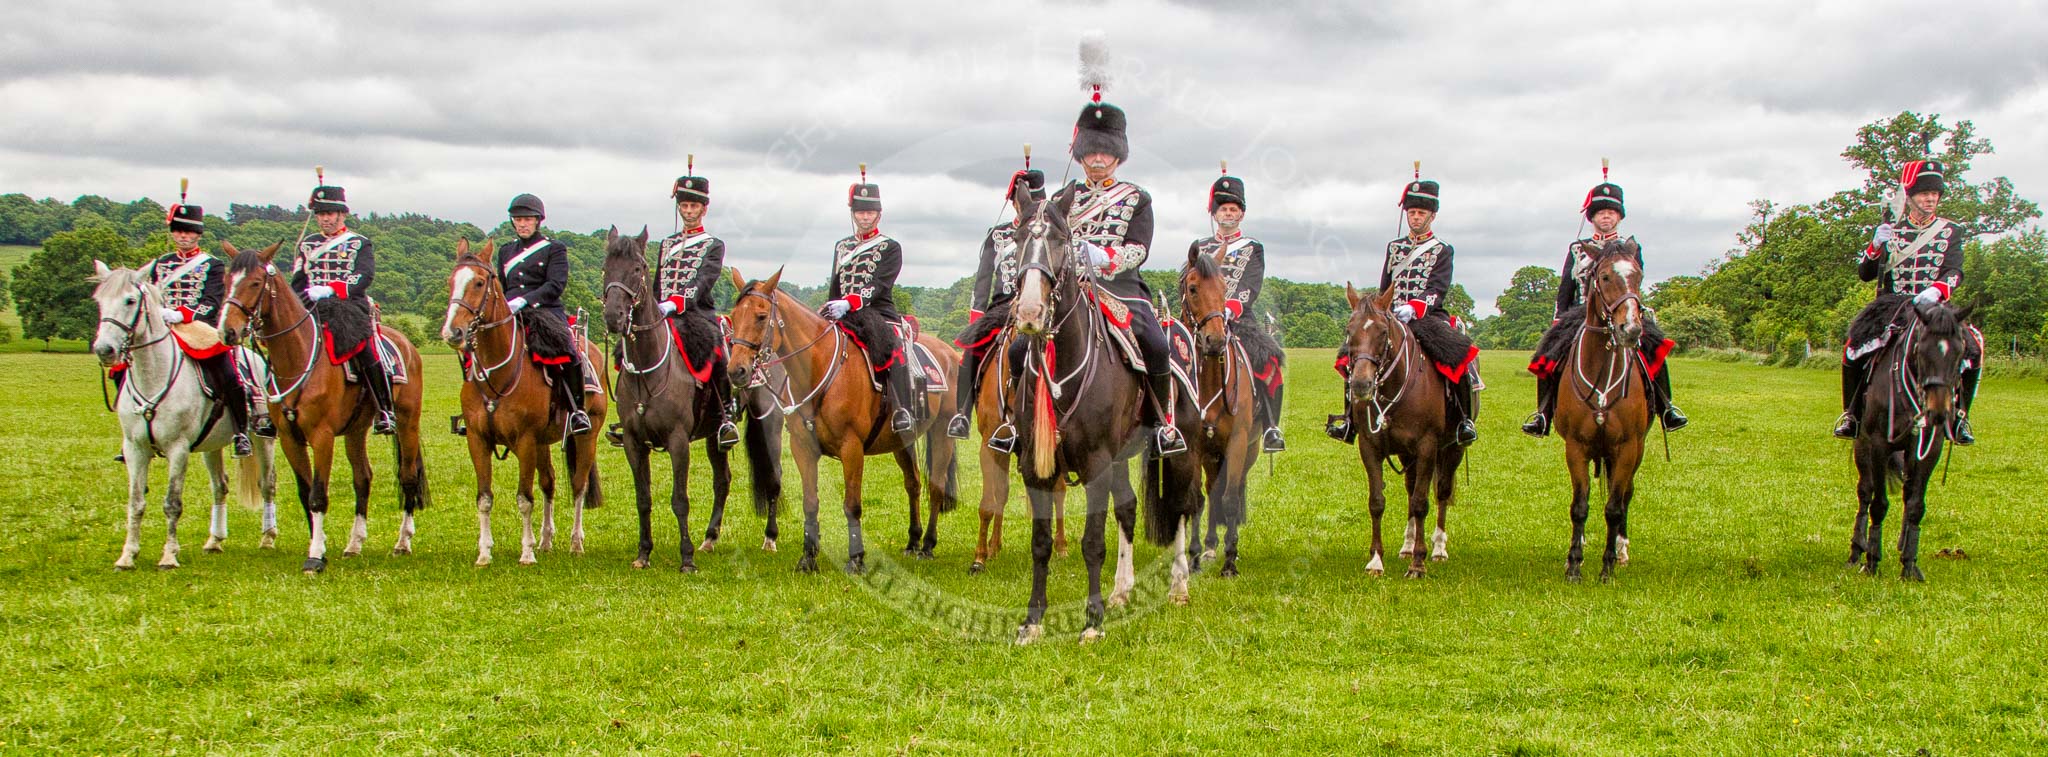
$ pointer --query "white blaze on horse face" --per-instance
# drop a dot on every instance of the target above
(456, 287)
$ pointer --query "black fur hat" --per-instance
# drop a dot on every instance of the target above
(1101, 129)
(1033, 180)
(186, 218)
(1227, 189)
(1421, 193)
(1606, 196)
(864, 197)
(1922, 176)
(328, 199)
(692, 188)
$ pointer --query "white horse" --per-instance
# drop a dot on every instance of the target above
(163, 410)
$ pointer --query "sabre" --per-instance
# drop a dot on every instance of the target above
(299, 248)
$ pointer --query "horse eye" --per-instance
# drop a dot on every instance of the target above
(130, 301)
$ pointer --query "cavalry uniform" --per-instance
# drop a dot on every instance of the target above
(535, 272)
(1910, 262)
(1242, 261)
(332, 275)
(686, 271)
(988, 310)
(1569, 313)
(1111, 227)
(864, 269)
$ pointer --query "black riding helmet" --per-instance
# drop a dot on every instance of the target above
(527, 205)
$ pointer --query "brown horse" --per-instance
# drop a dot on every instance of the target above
(1221, 419)
(318, 404)
(996, 393)
(1606, 415)
(506, 403)
(1399, 405)
(826, 384)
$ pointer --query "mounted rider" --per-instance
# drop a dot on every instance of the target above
(332, 273)
(988, 313)
(1418, 268)
(194, 283)
(1111, 223)
(686, 271)
(862, 299)
(535, 272)
(1917, 260)
(1603, 208)
(1242, 260)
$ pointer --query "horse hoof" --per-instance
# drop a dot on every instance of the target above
(269, 540)
(976, 568)
(767, 545)
(909, 551)
(528, 560)
(807, 565)
(1375, 572)
(1179, 597)
(1208, 554)
(1441, 556)
(708, 545)
(1228, 571)
(1910, 572)
(351, 553)
(686, 568)
(167, 565)
(124, 565)
(483, 560)
(313, 566)
(575, 546)
(924, 554)
(1091, 635)
(1415, 573)
(1117, 599)
(1870, 569)
(1028, 633)
(640, 564)
(213, 545)
(856, 565)
(1571, 574)
(1607, 575)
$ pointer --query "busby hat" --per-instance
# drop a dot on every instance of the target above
(1226, 189)
(1922, 176)
(328, 199)
(184, 217)
(692, 189)
(1606, 196)
(1422, 193)
(1033, 181)
(1102, 127)
(862, 195)
(527, 205)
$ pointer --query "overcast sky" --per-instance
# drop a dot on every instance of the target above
(450, 108)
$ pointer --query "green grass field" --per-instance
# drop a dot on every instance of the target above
(1735, 630)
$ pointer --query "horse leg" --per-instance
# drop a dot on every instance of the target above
(544, 473)
(266, 488)
(176, 457)
(138, 456)
(1880, 503)
(527, 450)
(359, 474)
(643, 500)
(1869, 483)
(1126, 536)
(299, 457)
(1213, 476)
(907, 462)
(721, 486)
(1408, 479)
(1446, 493)
(1041, 503)
(582, 484)
(679, 495)
(852, 460)
(806, 456)
(1092, 549)
(1237, 468)
(217, 524)
(412, 484)
(1059, 524)
(480, 461)
(1575, 462)
(1915, 495)
(1620, 489)
(1376, 505)
(1421, 479)
(995, 494)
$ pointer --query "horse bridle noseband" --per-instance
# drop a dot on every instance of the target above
(481, 375)
(1398, 364)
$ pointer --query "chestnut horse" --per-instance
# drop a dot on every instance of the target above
(826, 384)
(1914, 384)
(996, 392)
(1399, 403)
(318, 403)
(506, 403)
(1605, 417)
(1223, 427)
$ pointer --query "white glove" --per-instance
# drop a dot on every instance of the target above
(517, 304)
(1928, 296)
(1404, 312)
(837, 309)
(666, 307)
(1883, 234)
(173, 315)
(318, 292)
(1097, 256)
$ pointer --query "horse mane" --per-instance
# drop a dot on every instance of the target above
(624, 246)
(1204, 266)
(1941, 320)
(245, 261)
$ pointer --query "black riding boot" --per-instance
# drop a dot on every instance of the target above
(1667, 412)
(1538, 425)
(220, 373)
(1467, 401)
(1338, 426)
(1168, 436)
(1967, 395)
(1852, 395)
(721, 391)
(964, 396)
(1272, 440)
(569, 391)
(908, 409)
(370, 371)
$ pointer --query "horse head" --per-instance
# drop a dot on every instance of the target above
(1374, 341)
(128, 311)
(1935, 357)
(1614, 292)
(1202, 302)
(626, 287)
(473, 292)
(253, 284)
(752, 319)
(1042, 256)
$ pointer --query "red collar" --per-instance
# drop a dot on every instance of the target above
(859, 237)
(698, 230)
(1094, 187)
(1231, 238)
(1426, 236)
(338, 232)
(196, 252)
(1599, 237)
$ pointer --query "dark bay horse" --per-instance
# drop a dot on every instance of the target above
(1080, 423)
(1220, 421)
(1605, 417)
(1399, 404)
(1913, 394)
(506, 403)
(312, 394)
(664, 402)
(826, 385)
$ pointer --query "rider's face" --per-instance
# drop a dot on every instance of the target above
(1229, 215)
(525, 226)
(185, 240)
(1099, 167)
(1419, 220)
(1926, 202)
(692, 213)
(1605, 219)
(330, 221)
(864, 220)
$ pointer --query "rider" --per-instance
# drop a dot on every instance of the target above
(988, 313)
(1603, 207)
(1919, 258)
(535, 270)
(1242, 260)
(864, 268)
(332, 274)
(687, 270)
(1418, 269)
(193, 284)
(1111, 222)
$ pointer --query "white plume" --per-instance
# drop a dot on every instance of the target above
(1094, 60)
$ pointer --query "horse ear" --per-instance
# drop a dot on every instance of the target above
(775, 281)
(612, 235)
(461, 248)
(1193, 252)
(99, 271)
(1351, 294)
(269, 254)
(738, 282)
(1385, 299)
(643, 235)
(228, 248)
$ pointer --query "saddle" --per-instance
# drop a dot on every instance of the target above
(1180, 353)
(1117, 321)
(925, 367)
(388, 358)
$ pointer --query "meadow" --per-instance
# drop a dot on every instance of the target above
(1735, 630)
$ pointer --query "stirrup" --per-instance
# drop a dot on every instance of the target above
(616, 436)
(263, 428)
(240, 446)
(1467, 433)
(728, 434)
(957, 427)
(386, 423)
(1273, 441)
(1845, 427)
(1537, 426)
(902, 421)
(121, 457)
(579, 423)
(458, 426)
(1003, 439)
(1338, 427)
(1169, 441)
(1963, 436)
(1672, 419)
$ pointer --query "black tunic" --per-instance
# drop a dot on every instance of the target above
(1243, 264)
(687, 269)
(1419, 273)
(1117, 218)
(1578, 264)
(537, 270)
(995, 279)
(193, 286)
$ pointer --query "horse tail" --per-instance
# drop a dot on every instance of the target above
(941, 486)
(1164, 494)
(1044, 429)
(569, 452)
(414, 495)
(249, 483)
(764, 465)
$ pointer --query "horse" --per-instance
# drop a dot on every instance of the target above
(1223, 427)
(1921, 368)
(500, 408)
(164, 410)
(1081, 423)
(827, 386)
(993, 390)
(1605, 418)
(1399, 404)
(319, 405)
(665, 403)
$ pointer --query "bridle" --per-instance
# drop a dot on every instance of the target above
(1035, 254)
(765, 355)
(1231, 350)
(474, 372)
(1376, 402)
(252, 315)
(143, 302)
(1613, 383)
(1905, 381)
